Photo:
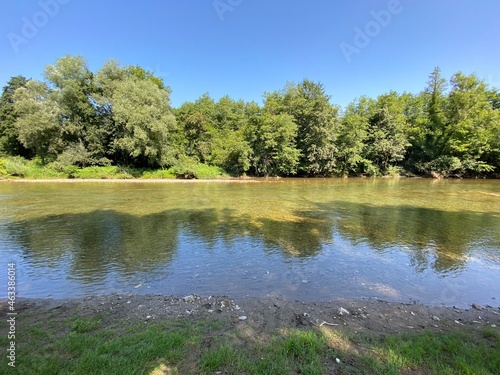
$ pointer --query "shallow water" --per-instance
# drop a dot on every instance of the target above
(435, 242)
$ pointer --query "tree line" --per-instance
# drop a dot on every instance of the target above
(121, 115)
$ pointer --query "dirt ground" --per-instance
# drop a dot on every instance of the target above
(265, 315)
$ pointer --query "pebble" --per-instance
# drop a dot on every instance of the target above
(342, 311)
(189, 298)
(436, 318)
(493, 325)
(476, 306)
(243, 317)
(337, 360)
(148, 317)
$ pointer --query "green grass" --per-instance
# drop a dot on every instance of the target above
(107, 345)
(17, 167)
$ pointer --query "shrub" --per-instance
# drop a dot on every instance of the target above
(16, 166)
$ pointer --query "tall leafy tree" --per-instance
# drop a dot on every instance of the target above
(142, 113)
(351, 141)
(197, 124)
(9, 141)
(387, 138)
(273, 136)
(74, 90)
(317, 122)
(138, 108)
(473, 123)
(38, 121)
(231, 149)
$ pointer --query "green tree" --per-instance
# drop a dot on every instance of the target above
(230, 148)
(74, 90)
(273, 144)
(387, 138)
(142, 113)
(38, 118)
(137, 108)
(353, 132)
(318, 124)
(197, 124)
(9, 142)
(473, 123)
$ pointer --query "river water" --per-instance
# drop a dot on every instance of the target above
(431, 241)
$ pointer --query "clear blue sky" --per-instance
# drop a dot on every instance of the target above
(259, 45)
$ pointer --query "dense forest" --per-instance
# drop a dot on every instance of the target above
(121, 116)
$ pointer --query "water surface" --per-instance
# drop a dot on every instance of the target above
(432, 241)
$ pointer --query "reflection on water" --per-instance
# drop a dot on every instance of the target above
(300, 239)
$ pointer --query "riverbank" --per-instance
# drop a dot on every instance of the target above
(154, 334)
(138, 180)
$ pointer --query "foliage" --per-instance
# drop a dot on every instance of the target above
(121, 116)
(9, 142)
(189, 168)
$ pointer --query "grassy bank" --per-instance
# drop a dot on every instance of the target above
(102, 344)
(16, 167)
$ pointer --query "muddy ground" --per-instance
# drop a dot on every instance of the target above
(265, 315)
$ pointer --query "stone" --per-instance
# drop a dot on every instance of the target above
(243, 317)
(436, 318)
(476, 306)
(189, 298)
(342, 311)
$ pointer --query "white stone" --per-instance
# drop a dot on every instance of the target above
(342, 311)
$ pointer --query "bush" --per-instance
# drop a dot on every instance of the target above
(209, 171)
(16, 166)
(187, 167)
(158, 174)
(101, 173)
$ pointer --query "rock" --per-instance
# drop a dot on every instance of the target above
(189, 298)
(304, 281)
(476, 306)
(337, 360)
(148, 317)
(342, 311)
(436, 318)
(493, 325)
(243, 317)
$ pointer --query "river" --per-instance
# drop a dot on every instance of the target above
(432, 241)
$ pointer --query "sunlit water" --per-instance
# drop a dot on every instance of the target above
(423, 240)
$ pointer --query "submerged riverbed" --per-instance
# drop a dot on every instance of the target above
(436, 242)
